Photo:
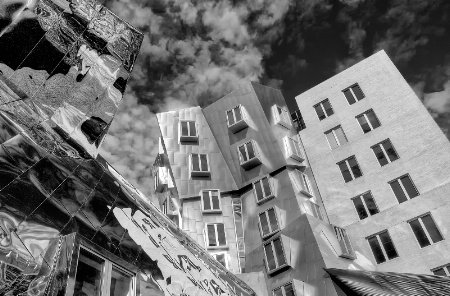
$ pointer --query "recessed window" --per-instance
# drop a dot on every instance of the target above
(188, 131)
(302, 183)
(353, 94)
(275, 258)
(293, 149)
(425, 230)
(336, 137)
(248, 155)
(236, 119)
(282, 117)
(403, 188)
(316, 210)
(161, 178)
(211, 201)
(263, 190)
(442, 271)
(368, 121)
(285, 290)
(344, 242)
(199, 165)
(323, 109)
(365, 205)
(298, 121)
(385, 152)
(215, 235)
(268, 222)
(350, 169)
(382, 247)
(222, 258)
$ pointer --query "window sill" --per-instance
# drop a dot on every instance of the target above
(200, 173)
(188, 139)
(238, 126)
(218, 211)
(299, 158)
(304, 192)
(217, 247)
(265, 199)
(270, 234)
(284, 124)
(251, 163)
(272, 271)
(348, 256)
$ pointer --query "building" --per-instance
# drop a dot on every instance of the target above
(277, 200)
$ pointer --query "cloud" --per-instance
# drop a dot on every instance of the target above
(438, 101)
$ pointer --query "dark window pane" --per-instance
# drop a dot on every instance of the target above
(319, 112)
(184, 128)
(215, 200)
(363, 123)
(340, 136)
(206, 201)
(89, 274)
(419, 233)
(331, 140)
(345, 171)
(230, 117)
(289, 290)
(390, 151)
(273, 220)
(195, 162)
(277, 292)
(327, 107)
(360, 208)
(251, 152)
(211, 235)
(349, 96)
(407, 183)
(243, 153)
(373, 119)
(388, 245)
(266, 186)
(355, 167)
(432, 229)
(269, 256)
(398, 191)
(258, 190)
(376, 250)
(380, 155)
(279, 252)
(358, 92)
(347, 242)
(264, 223)
(440, 272)
(121, 283)
(221, 234)
(370, 203)
(204, 162)
(192, 131)
(237, 113)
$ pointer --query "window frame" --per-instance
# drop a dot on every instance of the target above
(193, 173)
(304, 183)
(250, 162)
(283, 290)
(425, 230)
(317, 212)
(265, 198)
(272, 232)
(321, 104)
(380, 144)
(237, 125)
(187, 138)
(216, 235)
(405, 192)
(349, 168)
(211, 211)
(377, 235)
(367, 120)
(353, 93)
(269, 271)
(289, 152)
(332, 131)
(346, 245)
(366, 208)
(283, 119)
(445, 267)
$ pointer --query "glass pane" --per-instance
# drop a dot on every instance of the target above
(390, 151)
(376, 250)
(345, 171)
(306, 183)
(388, 245)
(373, 119)
(243, 153)
(192, 131)
(327, 107)
(211, 235)
(258, 191)
(358, 92)
(380, 155)
(331, 140)
(221, 235)
(340, 136)
(347, 242)
(433, 232)
(440, 272)
(363, 123)
(266, 187)
(289, 290)
(398, 191)
(251, 152)
(204, 162)
(407, 183)
(419, 233)
(277, 292)
(370, 203)
(215, 200)
(319, 112)
(206, 201)
(360, 208)
(121, 283)
(273, 220)
(230, 117)
(237, 113)
(269, 256)
(349, 96)
(279, 252)
(184, 128)
(355, 167)
(195, 163)
(264, 224)
(89, 274)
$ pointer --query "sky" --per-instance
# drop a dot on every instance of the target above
(196, 51)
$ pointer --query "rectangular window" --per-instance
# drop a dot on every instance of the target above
(303, 183)
(368, 121)
(344, 242)
(350, 169)
(248, 155)
(285, 290)
(263, 190)
(324, 109)
(274, 252)
(403, 188)
(353, 94)
(316, 211)
(298, 121)
(385, 152)
(221, 258)
(268, 222)
(211, 201)
(282, 117)
(382, 247)
(236, 119)
(199, 165)
(365, 205)
(215, 233)
(442, 271)
(293, 149)
(425, 230)
(188, 130)
(336, 137)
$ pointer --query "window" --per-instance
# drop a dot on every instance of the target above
(268, 222)
(263, 190)
(382, 247)
(368, 121)
(385, 152)
(282, 117)
(324, 109)
(298, 121)
(286, 290)
(442, 271)
(236, 119)
(350, 169)
(222, 258)
(248, 155)
(403, 188)
(302, 183)
(161, 177)
(353, 94)
(365, 205)
(316, 211)
(215, 234)
(344, 242)
(199, 165)
(97, 276)
(211, 201)
(336, 137)
(188, 131)
(293, 149)
(274, 252)
(425, 230)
